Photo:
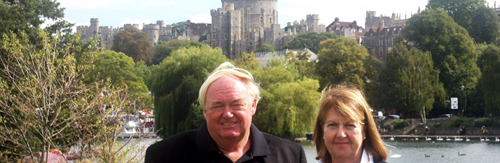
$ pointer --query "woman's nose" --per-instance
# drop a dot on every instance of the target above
(341, 132)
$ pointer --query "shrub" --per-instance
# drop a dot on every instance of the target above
(457, 122)
(483, 122)
(401, 123)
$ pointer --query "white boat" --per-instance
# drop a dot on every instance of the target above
(459, 139)
(439, 138)
(427, 139)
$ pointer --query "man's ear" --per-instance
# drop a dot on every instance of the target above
(254, 106)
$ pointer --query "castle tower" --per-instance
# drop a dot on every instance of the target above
(94, 26)
(313, 22)
(153, 30)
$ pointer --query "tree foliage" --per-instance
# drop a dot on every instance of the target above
(44, 101)
(453, 51)
(179, 28)
(409, 83)
(133, 43)
(266, 48)
(176, 85)
(27, 15)
(490, 79)
(164, 50)
(288, 105)
(119, 70)
(342, 60)
(311, 40)
(480, 20)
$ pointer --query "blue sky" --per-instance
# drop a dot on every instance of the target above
(118, 12)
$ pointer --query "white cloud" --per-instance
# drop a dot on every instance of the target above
(140, 22)
(202, 18)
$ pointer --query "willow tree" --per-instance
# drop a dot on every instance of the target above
(288, 105)
(175, 88)
(490, 80)
(452, 49)
(409, 81)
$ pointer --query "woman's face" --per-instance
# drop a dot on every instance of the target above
(343, 137)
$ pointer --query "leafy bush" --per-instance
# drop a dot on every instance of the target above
(457, 122)
(401, 123)
(483, 122)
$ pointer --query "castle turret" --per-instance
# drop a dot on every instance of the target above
(153, 30)
(94, 26)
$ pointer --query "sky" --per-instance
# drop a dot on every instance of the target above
(116, 13)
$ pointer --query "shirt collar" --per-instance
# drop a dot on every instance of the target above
(366, 157)
(260, 147)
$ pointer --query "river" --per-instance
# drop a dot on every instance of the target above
(414, 151)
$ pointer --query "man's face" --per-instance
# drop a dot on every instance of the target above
(228, 109)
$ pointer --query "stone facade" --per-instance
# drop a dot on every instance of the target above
(372, 20)
(157, 32)
(346, 29)
(244, 25)
(380, 40)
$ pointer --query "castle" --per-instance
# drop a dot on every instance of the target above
(373, 21)
(244, 25)
(157, 32)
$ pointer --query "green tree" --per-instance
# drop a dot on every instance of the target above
(473, 15)
(133, 43)
(266, 48)
(44, 101)
(485, 28)
(409, 82)
(453, 51)
(164, 50)
(288, 105)
(28, 15)
(311, 40)
(179, 28)
(120, 70)
(176, 85)
(343, 60)
(247, 61)
(306, 66)
(490, 79)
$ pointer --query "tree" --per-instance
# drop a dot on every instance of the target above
(179, 28)
(266, 48)
(409, 82)
(44, 101)
(247, 61)
(176, 86)
(120, 70)
(311, 40)
(288, 105)
(306, 67)
(473, 15)
(133, 43)
(342, 60)
(490, 79)
(453, 51)
(485, 28)
(28, 15)
(164, 50)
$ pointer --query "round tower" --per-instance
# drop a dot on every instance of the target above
(256, 13)
(153, 30)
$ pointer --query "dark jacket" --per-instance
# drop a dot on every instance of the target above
(197, 146)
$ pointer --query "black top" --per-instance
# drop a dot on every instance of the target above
(198, 146)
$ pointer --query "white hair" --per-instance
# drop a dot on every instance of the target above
(227, 68)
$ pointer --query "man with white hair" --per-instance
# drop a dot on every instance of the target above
(229, 98)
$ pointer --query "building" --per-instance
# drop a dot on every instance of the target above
(373, 21)
(346, 29)
(244, 25)
(380, 40)
(157, 32)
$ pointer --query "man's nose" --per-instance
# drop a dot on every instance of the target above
(228, 113)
